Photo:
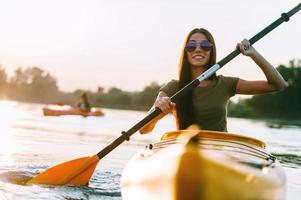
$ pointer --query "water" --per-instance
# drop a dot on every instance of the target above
(31, 143)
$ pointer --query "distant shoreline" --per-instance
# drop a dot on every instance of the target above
(275, 122)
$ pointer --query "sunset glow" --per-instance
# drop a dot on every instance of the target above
(8, 144)
(86, 44)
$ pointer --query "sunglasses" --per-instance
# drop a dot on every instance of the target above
(204, 45)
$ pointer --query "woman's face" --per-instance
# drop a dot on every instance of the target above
(198, 56)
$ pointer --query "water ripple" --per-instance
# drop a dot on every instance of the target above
(289, 160)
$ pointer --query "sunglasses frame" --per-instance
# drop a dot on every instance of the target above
(204, 45)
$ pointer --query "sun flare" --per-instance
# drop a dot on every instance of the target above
(8, 143)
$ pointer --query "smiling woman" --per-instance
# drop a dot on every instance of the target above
(206, 105)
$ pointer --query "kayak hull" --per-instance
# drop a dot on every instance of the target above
(195, 165)
(70, 111)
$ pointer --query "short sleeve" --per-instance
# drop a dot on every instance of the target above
(170, 88)
(230, 84)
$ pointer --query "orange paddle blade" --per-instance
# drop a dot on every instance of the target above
(75, 172)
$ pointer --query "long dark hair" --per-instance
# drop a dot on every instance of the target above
(184, 106)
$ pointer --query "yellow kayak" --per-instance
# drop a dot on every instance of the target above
(47, 111)
(207, 165)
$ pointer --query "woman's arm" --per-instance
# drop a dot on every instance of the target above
(165, 105)
(274, 82)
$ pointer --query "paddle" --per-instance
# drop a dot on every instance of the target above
(79, 171)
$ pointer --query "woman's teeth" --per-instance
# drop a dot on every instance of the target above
(198, 57)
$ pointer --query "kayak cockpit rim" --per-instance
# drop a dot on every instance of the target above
(215, 135)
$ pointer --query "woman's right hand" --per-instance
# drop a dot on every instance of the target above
(164, 104)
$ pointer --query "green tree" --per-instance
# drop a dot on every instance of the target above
(118, 98)
(34, 85)
(3, 80)
(146, 98)
(42, 86)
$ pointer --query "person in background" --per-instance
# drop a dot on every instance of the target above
(84, 105)
(206, 105)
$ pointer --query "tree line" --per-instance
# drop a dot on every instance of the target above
(34, 85)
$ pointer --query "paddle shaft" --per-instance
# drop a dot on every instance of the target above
(126, 135)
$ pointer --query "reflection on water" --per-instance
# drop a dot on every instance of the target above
(274, 123)
(103, 185)
(289, 160)
(15, 177)
(31, 143)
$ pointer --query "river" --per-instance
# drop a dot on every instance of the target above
(31, 143)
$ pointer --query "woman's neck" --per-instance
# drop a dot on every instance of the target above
(196, 71)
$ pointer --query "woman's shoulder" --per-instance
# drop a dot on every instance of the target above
(172, 82)
(229, 83)
(170, 87)
(224, 79)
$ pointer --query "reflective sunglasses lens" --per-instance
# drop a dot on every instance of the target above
(190, 47)
(205, 45)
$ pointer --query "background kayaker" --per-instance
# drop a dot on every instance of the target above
(84, 105)
(206, 105)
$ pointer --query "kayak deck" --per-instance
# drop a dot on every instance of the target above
(204, 165)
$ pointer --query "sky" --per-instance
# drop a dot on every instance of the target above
(86, 44)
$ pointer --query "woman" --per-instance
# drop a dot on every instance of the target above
(84, 105)
(206, 105)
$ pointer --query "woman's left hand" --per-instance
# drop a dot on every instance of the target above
(246, 48)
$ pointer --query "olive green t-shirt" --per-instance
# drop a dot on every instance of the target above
(210, 103)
